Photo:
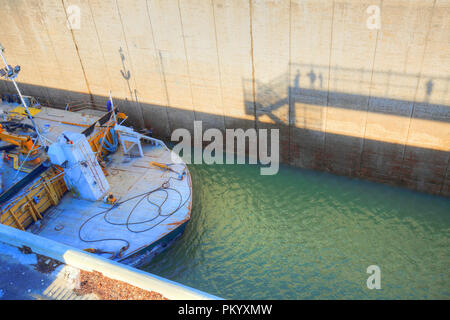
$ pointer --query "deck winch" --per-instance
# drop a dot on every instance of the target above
(83, 174)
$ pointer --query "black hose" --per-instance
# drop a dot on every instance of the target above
(14, 125)
(163, 188)
(8, 147)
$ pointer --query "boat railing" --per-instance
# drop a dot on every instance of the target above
(81, 105)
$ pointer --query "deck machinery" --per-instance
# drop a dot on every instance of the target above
(86, 179)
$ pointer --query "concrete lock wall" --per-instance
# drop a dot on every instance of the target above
(350, 95)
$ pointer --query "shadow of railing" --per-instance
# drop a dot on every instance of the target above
(358, 122)
(359, 90)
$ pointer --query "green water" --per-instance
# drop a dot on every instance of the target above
(308, 235)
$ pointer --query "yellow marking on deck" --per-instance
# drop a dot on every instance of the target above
(22, 112)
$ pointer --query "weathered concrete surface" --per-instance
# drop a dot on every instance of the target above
(25, 275)
(22, 277)
(370, 103)
(76, 260)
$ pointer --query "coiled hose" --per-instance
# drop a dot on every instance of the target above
(111, 147)
(165, 187)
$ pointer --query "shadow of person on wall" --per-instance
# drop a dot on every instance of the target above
(312, 78)
(297, 81)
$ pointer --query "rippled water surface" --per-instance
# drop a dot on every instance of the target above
(308, 235)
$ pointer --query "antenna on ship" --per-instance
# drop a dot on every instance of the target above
(11, 73)
(112, 106)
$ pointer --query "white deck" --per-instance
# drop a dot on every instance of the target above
(58, 120)
(127, 178)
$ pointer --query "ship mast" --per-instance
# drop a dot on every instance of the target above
(11, 73)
